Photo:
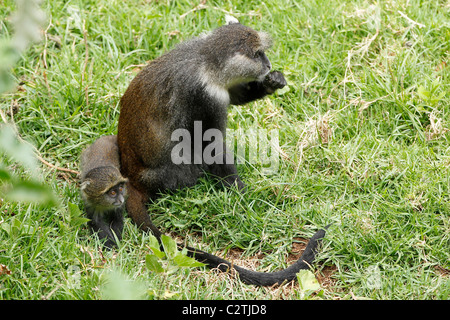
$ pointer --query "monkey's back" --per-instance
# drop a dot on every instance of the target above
(156, 103)
(103, 152)
(183, 86)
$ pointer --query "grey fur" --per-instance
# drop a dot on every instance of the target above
(100, 176)
(196, 81)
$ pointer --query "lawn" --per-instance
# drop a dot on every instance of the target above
(363, 129)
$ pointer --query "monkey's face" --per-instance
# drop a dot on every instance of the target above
(115, 196)
(103, 188)
(238, 53)
(249, 62)
(247, 67)
(100, 200)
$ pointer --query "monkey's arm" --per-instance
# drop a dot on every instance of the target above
(246, 92)
(107, 225)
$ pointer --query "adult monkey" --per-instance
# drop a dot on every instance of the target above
(195, 82)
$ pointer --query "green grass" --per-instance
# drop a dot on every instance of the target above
(363, 129)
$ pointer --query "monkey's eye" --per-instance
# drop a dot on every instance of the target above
(258, 54)
(112, 193)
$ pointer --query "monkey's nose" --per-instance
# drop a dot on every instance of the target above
(120, 199)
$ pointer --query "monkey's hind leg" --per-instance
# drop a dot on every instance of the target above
(227, 172)
(137, 211)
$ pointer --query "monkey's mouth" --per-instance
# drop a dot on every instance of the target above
(263, 76)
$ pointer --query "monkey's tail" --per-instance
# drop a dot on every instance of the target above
(263, 278)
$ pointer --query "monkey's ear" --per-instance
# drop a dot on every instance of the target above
(230, 20)
(84, 184)
(266, 40)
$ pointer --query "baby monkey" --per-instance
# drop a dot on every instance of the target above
(103, 189)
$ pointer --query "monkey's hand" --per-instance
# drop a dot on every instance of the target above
(273, 81)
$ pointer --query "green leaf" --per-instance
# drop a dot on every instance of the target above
(27, 229)
(16, 227)
(154, 246)
(19, 151)
(6, 227)
(30, 192)
(76, 215)
(423, 93)
(158, 253)
(119, 286)
(152, 263)
(439, 97)
(74, 210)
(4, 175)
(307, 281)
(184, 261)
(283, 90)
(153, 241)
(430, 96)
(204, 200)
(170, 247)
(8, 57)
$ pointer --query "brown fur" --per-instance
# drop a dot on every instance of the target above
(195, 82)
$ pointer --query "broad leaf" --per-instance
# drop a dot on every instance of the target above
(152, 263)
(170, 247)
(19, 151)
(76, 216)
(29, 191)
(307, 281)
(184, 261)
